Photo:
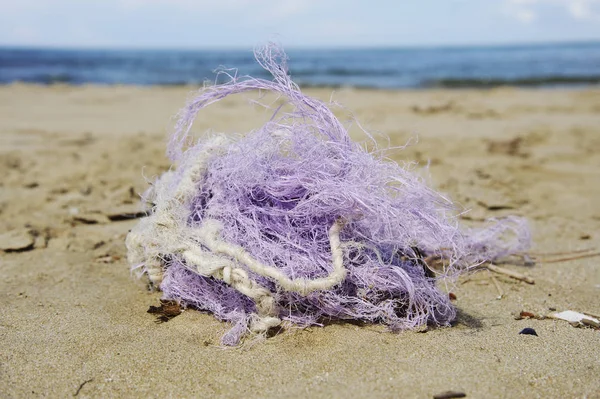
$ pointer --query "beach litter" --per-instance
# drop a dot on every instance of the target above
(577, 319)
(295, 224)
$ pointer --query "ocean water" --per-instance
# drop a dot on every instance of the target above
(384, 68)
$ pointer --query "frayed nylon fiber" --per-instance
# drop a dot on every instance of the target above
(250, 228)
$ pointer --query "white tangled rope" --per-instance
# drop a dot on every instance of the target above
(166, 231)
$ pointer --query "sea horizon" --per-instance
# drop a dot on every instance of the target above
(581, 42)
(547, 64)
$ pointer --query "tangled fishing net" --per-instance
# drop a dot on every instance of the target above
(294, 222)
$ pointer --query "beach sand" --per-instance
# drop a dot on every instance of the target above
(73, 320)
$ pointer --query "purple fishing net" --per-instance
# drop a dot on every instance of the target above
(275, 194)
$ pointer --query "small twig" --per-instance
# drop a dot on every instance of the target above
(570, 258)
(579, 251)
(595, 316)
(510, 273)
(495, 281)
(467, 280)
(81, 386)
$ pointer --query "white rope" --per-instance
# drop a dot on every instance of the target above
(209, 235)
(160, 232)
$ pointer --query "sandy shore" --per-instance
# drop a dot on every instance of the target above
(74, 321)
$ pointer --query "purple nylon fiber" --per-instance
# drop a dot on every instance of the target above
(278, 189)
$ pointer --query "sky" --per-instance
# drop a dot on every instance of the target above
(294, 23)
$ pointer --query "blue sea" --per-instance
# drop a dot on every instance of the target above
(547, 65)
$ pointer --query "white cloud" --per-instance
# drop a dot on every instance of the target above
(186, 4)
(247, 11)
(583, 9)
(525, 15)
(279, 9)
(288, 8)
(523, 2)
(527, 11)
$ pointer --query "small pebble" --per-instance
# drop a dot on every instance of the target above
(450, 395)
(528, 331)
